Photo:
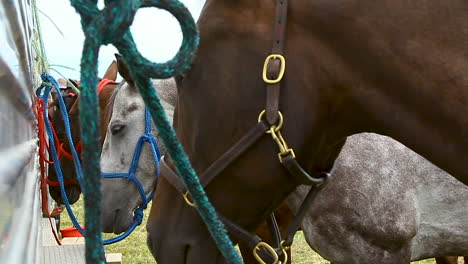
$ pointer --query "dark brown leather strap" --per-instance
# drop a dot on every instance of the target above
(252, 136)
(299, 174)
(233, 153)
(170, 175)
(297, 221)
(273, 69)
(252, 240)
(274, 230)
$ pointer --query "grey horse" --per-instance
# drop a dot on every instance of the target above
(383, 199)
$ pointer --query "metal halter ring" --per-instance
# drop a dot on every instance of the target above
(187, 199)
(283, 249)
(269, 249)
(280, 122)
(281, 71)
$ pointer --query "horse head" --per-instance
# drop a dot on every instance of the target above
(72, 188)
(72, 99)
(127, 123)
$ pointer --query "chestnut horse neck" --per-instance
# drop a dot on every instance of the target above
(270, 121)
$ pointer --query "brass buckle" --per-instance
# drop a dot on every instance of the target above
(187, 199)
(269, 249)
(282, 68)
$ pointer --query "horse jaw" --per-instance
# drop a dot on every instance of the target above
(187, 249)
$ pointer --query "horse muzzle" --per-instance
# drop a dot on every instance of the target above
(174, 251)
(116, 221)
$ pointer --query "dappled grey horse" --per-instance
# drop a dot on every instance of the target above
(382, 197)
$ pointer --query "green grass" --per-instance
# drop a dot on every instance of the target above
(134, 250)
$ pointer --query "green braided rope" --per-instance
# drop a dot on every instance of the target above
(111, 26)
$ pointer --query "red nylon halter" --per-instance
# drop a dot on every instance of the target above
(103, 83)
(60, 150)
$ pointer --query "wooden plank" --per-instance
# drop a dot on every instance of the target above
(73, 241)
(70, 241)
(47, 235)
(114, 258)
(70, 254)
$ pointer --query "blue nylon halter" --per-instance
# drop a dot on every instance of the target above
(130, 176)
(43, 92)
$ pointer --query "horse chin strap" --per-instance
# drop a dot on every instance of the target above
(270, 121)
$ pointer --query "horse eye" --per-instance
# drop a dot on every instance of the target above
(116, 129)
(179, 78)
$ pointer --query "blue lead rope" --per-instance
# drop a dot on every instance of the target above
(43, 92)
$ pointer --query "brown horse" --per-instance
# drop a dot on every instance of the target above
(72, 187)
(396, 68)
(125, 114)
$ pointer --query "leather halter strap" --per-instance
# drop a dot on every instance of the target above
(221, 163)
(273, 66)
(273, 73)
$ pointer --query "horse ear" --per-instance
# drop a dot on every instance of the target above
(75, 83)
(123, 69)
(111, 73)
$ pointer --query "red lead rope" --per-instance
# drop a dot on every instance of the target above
(58, 146)
(43, 147)
(102, 84)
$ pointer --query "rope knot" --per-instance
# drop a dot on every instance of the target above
(138, 215)
(106, 26)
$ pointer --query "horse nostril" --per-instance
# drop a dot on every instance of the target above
(116, 214)
(117, 128)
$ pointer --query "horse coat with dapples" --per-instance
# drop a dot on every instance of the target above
(384, 201)
(397, 68)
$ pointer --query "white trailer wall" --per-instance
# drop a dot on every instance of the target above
(20, 214)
